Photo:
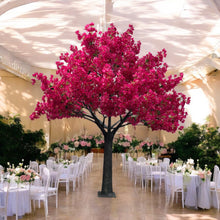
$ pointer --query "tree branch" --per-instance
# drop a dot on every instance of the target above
(121, 122)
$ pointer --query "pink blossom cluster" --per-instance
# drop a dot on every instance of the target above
(107, 76)
(85, 143)
(99, 142)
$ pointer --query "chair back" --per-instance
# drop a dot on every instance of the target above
(4, 188)
(46, 175)
(41, 167)
(166, 160)
(75, 169)
(146, 171)
(215, 173)
(50, 164)
(34, 166)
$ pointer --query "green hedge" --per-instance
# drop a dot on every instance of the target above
(17, 144)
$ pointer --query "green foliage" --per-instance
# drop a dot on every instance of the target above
(209, 146)
(198, 142)
(17, 144)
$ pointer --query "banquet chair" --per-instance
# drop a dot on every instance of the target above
(156, 174)
(89, 159)
(50, 164)
(164, 167)
(41, 167)
(124, 162)
(74, 174)
(174, 186)
(137, 173)
(40, 193)
(34, 166)
(146, 175)
(215, 176)
(166, 160)
(130, 167)
(215, 184)
(4, 200)
(65, 177)
(81, 172)
(53, 190)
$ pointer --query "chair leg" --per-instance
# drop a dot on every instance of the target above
(217, 199)
(151, 184)
(46, 207)
(183, 199)
(56, 199)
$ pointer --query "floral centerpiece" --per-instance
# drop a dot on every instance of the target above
(21, 174)
(203, 174)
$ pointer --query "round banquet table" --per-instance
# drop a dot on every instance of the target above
(197, 192)
(19, 197)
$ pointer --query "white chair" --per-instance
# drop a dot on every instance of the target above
(146, 175)
(53, 190)
(65, 177)
(4, 200)
(215, 176)
(74, 174)
(174, 186)
(41, 167)
(50, 164)
(40, 193)
(156, 175)
(164, 167)
(81, 172)
(89, 161)
(215, 184)
(124, 162)
(130, 167)
(34, 166)
(166, 160)
(137, 173)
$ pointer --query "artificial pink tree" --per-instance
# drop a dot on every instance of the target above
(107, 83)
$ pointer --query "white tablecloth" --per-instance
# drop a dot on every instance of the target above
(197, 193)
(23, 201)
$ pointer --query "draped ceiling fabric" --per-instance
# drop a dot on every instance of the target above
(34, 33)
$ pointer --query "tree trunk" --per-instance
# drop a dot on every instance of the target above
(107, 190)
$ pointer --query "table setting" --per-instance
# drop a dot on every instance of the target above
(18, 180)
(195, 182)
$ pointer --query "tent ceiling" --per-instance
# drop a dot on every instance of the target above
(36, 32)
